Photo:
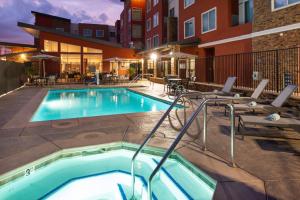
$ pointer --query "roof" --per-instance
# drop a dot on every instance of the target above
(52, 16)
(35, 31)
(179, 55)
(117, 59)
(184, 43)
(10, 44)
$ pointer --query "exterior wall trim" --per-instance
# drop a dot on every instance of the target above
(253, 35)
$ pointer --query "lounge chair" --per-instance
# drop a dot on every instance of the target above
(263, 121)
(276, 104)
(226, 91)
(255, 95)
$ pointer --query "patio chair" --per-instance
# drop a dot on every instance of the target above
(51, 80)
(275, 105)
(255, 95)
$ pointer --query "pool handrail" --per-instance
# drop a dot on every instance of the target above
(183, 130)
(149, 136)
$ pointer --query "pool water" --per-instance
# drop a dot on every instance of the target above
(107, 176)
(68, 104)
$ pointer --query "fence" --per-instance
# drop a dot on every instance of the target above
(11, 76)
(281, 67)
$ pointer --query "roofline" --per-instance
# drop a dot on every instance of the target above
(43, 29)
(48, 15)
(12, 44)
(185, 43)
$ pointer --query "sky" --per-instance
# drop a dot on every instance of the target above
(89, 11)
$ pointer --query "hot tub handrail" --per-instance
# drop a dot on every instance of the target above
(183, 130)
(149, 136)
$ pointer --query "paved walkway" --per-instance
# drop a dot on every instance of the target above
(268, 167)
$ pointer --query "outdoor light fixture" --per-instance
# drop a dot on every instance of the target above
(171, 53)
(23, 56)
(153, 56)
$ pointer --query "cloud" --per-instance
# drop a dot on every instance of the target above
(88, 11)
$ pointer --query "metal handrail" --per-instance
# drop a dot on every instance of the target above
(181, 134)
(134, 79)
(153, 131)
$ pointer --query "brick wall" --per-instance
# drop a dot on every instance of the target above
(265, 18)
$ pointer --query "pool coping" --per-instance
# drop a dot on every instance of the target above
(29, 168)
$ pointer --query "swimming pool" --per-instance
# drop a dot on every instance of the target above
(68, 104)
(103, 172)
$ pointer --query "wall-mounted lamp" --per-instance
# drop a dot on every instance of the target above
(153, 56)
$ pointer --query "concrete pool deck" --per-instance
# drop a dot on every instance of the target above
(268, 166)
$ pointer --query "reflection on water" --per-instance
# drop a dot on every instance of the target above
(65, 104)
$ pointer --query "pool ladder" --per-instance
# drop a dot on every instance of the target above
(201, 107)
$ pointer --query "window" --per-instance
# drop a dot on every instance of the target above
(156, 41)
(91, 50)
(129, 15)
(87, 32)
(148, 43)
(60, 29)
(69, 48)
(136, 31)
(189, 28)
(148, 24)
(209, 20)
(50, 46)
(172, 12)
(155, 2)
(136, 14)
(148, 5)
(278, 4)
(155, 20)
(188, 3)
(112, 34)
(99, 33)
(245, 11)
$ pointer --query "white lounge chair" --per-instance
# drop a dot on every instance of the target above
(255, 95)
(275, 105)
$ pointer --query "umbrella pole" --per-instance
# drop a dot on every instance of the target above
(44, 70)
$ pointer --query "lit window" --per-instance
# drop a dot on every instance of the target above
(69, 48)
(277, 4)
(209, 20)
(188, 3)
(87, 32)
(155, 2)
(136, 31)
(99, 33)
(50, 46)
(91, 50)
(156, 41)
(155, 20)
(136, 14)
(148, 24)
(189, 28)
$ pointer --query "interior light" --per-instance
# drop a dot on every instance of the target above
(153, 56)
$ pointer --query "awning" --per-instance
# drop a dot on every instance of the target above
(117, 59)
(179, 55)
